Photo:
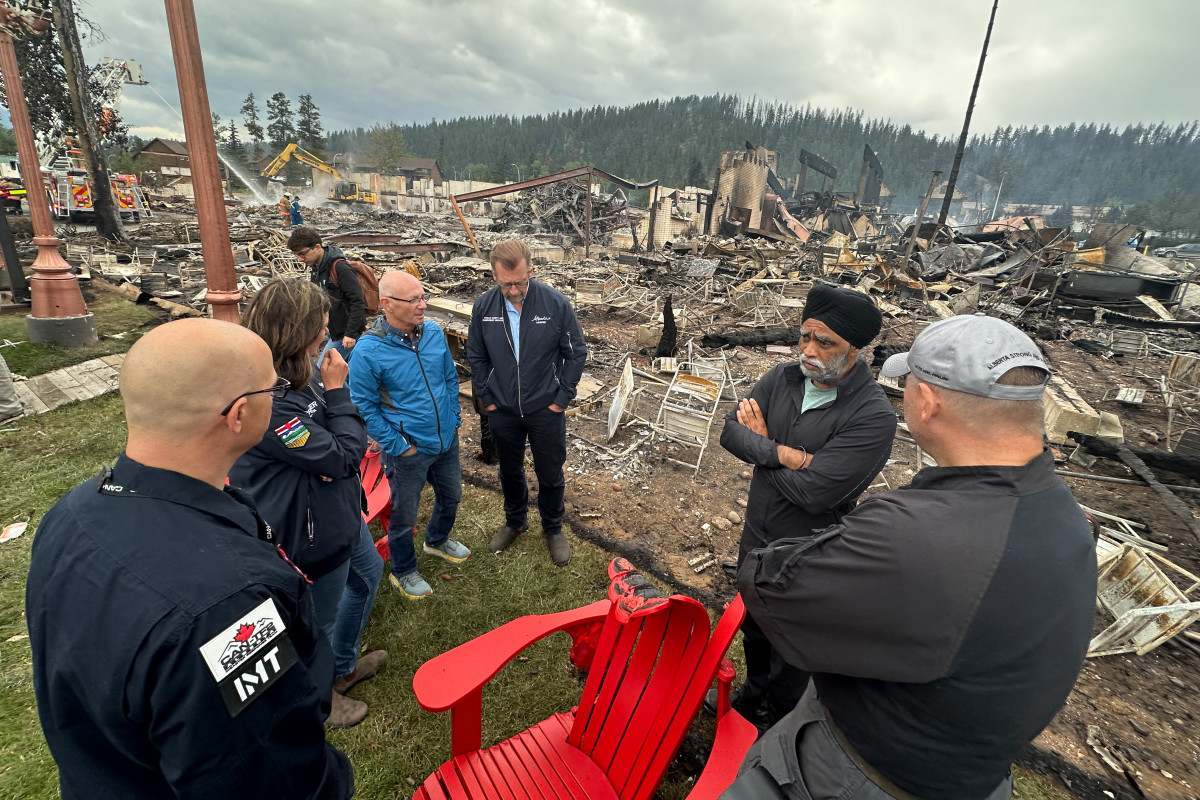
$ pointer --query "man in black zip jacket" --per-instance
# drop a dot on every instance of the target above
(526, 352)
(817, 431)
(348, 309)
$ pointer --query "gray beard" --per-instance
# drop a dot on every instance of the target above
(829, 374)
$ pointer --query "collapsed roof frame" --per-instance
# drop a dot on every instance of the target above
(546, 180)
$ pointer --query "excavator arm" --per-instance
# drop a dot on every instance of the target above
(303, 156)
(343, 191)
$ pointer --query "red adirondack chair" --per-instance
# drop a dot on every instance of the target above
(648, 672)
(379, 498)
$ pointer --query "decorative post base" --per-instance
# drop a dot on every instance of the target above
(62, 331)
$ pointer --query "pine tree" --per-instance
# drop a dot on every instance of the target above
(235, 152)
(280, 128)
(253, 128)
(308, 127)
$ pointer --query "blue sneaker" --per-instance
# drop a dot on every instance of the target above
(411, 585)
(452, 551)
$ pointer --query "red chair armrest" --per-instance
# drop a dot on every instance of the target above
(735, 735)
(445, 681)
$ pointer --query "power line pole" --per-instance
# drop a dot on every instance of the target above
(962, 140)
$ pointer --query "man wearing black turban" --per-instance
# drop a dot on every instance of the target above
(817, 431)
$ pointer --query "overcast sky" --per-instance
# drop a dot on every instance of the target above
(913, 61)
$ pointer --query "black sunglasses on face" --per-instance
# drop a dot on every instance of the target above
(278, 390)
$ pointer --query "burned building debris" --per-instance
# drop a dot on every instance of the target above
(687, 301)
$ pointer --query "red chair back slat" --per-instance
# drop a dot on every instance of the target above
(375, 485)
(652, 763)
(621, 714)
(678, 668)
(638, 687)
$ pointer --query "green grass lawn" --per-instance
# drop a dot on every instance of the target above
(119, 323)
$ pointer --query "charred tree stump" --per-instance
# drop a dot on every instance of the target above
(670, 335)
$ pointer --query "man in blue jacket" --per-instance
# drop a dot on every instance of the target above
(403, 380)
(526, 352)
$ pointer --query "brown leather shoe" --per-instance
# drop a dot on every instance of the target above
(560, 549)
(366, 667)
(346, 713)
(505, 537)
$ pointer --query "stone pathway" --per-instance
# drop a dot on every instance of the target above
(79, 382)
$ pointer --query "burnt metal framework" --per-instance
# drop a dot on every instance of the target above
(818, 165)
(591, 172)
(870, 178)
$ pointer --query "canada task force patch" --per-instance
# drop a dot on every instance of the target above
(249, 655)
(293, 434)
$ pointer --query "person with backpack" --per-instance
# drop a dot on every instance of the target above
(337, 276)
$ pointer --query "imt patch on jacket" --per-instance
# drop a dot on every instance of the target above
(293, 434)
(249, 655)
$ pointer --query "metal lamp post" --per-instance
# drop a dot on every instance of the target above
(518, 173)
(58, 313)
(223, 294)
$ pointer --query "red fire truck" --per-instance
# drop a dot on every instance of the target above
(70, 193)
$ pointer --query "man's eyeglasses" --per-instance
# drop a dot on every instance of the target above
(506, 285)
(302, 253)
(278, 390)
(412, 301)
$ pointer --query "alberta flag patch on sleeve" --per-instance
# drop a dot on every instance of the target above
(293, 434)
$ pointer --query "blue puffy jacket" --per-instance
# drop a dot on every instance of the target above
(407, 395)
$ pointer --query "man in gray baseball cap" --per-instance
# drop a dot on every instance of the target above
(944, 623)
(972, 355)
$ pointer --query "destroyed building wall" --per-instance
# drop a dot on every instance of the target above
(741, 184)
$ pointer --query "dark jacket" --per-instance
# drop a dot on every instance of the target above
(175, 654)
(551, 344)
(944, 622)
(850, 440)
(409, 396)
(348, 311)
(313, 433)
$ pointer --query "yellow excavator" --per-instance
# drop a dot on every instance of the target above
(343, 191)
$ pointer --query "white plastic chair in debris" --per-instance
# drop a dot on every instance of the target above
(1139, 593)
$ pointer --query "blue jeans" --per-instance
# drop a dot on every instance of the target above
(361, 584)
(407, 476)
(327, 596)
(335, 344)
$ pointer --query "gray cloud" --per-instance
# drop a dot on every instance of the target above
(912, 61)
